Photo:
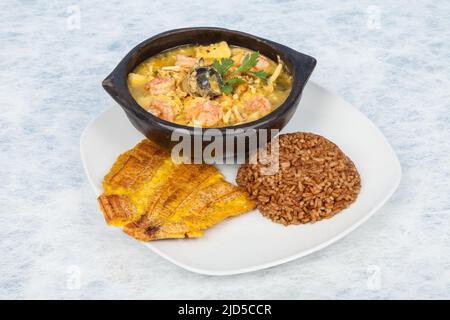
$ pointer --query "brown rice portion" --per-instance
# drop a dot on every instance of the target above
(315, 180)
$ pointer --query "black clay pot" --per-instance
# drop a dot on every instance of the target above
(160, 131)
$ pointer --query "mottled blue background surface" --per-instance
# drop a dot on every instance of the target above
(389, 59)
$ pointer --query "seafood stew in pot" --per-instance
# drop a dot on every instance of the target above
(209, 86)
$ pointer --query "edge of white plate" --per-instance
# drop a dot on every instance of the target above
(279, 261)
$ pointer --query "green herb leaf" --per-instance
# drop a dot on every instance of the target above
(249, 61)
(260, 74)
(223, 65)
(227, 89)
(228, 85)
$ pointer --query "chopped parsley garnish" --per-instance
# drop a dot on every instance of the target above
(228, 85)
(249, 61)
(224, 65)
(260, 74)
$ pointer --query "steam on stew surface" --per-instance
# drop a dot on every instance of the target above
(210, 86)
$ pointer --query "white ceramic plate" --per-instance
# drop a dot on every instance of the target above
(251, 242)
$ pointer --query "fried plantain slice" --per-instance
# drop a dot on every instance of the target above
(135, 167)
(117, 209)
(194, 213)
(131, 179)
(154, 198)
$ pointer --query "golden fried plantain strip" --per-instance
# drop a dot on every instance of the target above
(117, 209)
(135, 167)
(230, 204)
(175, 191)
(132, 176)
(192, 226)
(154, 198)
(190, 179)
(210, 204)
(221, 200)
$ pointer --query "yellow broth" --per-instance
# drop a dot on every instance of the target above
(167, 85)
